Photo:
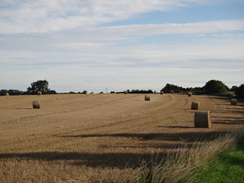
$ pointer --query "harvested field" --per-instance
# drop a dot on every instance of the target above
(83, 138)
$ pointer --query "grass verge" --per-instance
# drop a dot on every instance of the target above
(184, 166)
(227, 167)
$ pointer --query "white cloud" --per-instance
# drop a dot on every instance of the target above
(45, 15)
(227, 49)
(65, 42)
(134, 32)
(83, 46)
(188, 28)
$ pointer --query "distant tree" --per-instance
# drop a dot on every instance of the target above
(14, 92)
(215, 86)
(52, 92)
(141, 91)
(198, 90)
(233, 88)
(40, 85)
(240, 91)
(3, 92)
(170, 87)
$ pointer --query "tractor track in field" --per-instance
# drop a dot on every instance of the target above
(74, 138)
(69, 116)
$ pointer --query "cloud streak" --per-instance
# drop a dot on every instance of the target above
(126, 32)
(79, 45)
(44, 15)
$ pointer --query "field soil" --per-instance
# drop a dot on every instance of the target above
(88, 138)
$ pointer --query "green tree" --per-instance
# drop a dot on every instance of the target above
(233, 88)
(170, 87)
(240, 91)
(40, 85)
(215, 86)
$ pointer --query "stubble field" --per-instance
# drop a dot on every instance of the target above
(88, 138)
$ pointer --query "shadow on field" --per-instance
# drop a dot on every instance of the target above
(229, 120)
(118, 160)
(234, 111)
(25, 108)
(180, 127)
(183, 136)
(122, 160)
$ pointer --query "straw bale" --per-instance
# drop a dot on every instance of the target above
(36, 104)
(147, 98)
(202, 119)
(195, 105)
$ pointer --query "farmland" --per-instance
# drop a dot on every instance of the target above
(87, 138)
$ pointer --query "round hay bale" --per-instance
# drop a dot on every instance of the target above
(233, 101)
(161, 92)
(189, 94)
(36, 104)
(195, 105)
(39, 93)
(7, 94)
(126, 92)
(147, 98)
(202, 119)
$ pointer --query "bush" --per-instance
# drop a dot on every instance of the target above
(215, 87)
(141, 91)
(169, 88)
(240, 91)
(51, 92)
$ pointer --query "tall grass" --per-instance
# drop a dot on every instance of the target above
(181, 166)
(175, 168)
(228, 166)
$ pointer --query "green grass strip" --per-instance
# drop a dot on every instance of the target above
(228, 167)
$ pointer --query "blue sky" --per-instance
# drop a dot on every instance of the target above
(143, 44)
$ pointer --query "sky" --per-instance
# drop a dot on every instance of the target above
(115, 45)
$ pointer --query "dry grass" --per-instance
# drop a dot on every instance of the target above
(102, 138)
(182, 165)
(171, 169)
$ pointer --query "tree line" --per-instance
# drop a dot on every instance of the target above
(212, 87)
(38, 86)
